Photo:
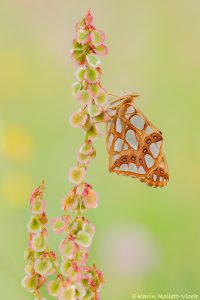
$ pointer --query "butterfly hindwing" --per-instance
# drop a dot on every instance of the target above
(160, 176)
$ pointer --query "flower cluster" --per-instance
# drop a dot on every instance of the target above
(88, 45)
(74, 248)
(74, 279)
(80, 281)
(81, 197)
(41, 262)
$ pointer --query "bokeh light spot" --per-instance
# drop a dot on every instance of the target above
(133, 251)
(17, 144)
(16, 188)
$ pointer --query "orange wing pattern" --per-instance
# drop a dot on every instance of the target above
(134, 145)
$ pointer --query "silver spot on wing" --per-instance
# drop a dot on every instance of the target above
(137, 122)
(141, 170)
(125, 146)
(155, 149)
(131, 139)
(129, 111)
(123, 167)
(110, 140)
(154, 177)
(133, 168)
(149, 161)
(118, 145)
(161, 179)
(118, 125)
(148, 130)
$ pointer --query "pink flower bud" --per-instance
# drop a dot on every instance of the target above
(68, 293)
(84, 96)
(70, 202)
(84, 258)
(91, 75)
(90, 198)
(29, 282)
(78, 119)
(83, 159)
(58, 225)
(43, 265)
(94, 132)
(97, 37)
(77, 57)
(37, 206)
(83, 36)
(88, 19)
(101, 50)
(76, 174)
(87, 148)
(41, 280)
(39, 242)
(67, 249)
(54, 287)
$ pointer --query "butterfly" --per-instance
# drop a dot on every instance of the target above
(134, 145)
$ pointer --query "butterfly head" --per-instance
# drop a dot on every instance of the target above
(125, 97)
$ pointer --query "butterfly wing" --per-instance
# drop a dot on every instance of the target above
(134, 145)
(160, 176)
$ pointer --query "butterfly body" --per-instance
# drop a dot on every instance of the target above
(134, 145)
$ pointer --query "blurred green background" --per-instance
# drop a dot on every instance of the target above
(147, 240)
